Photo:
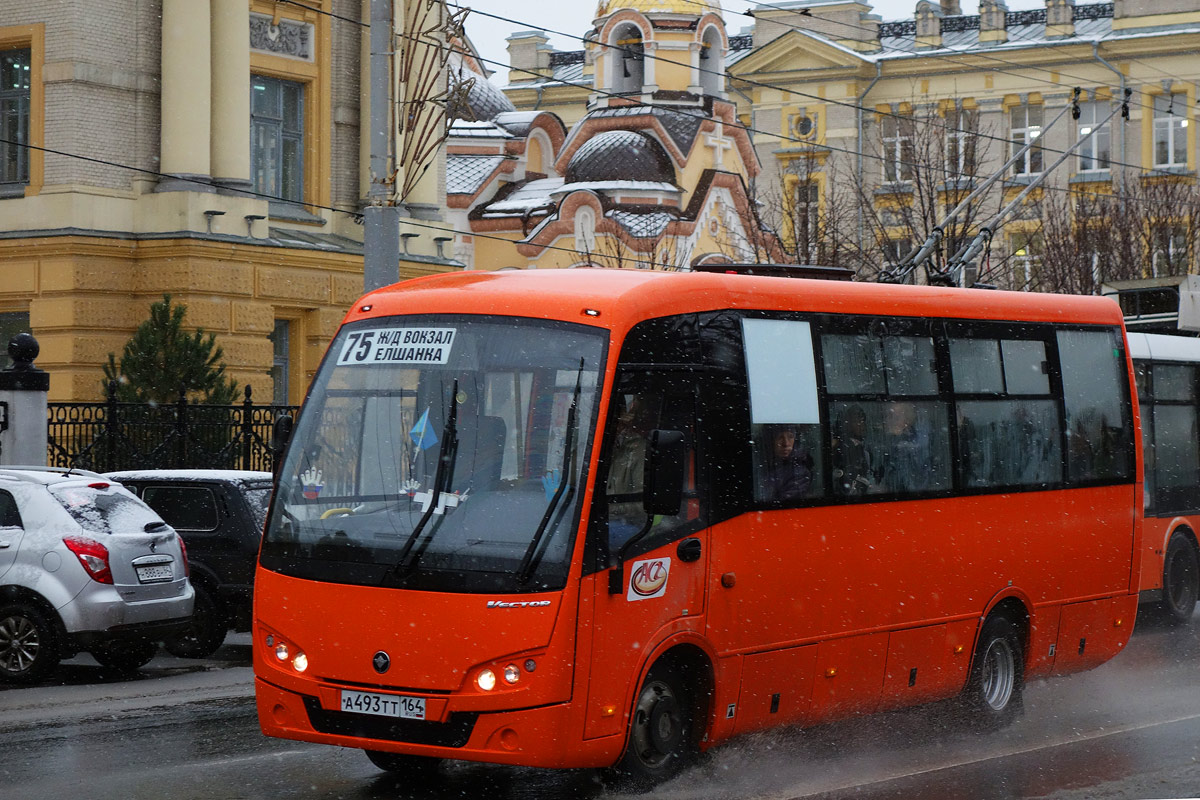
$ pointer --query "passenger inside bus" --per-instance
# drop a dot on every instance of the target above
(789, 467)
(905, 455)
(853, 468)
(626, 469)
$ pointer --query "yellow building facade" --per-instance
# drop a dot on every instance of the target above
(210, 149)
(868, 131)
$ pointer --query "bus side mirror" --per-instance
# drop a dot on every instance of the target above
(666, 463)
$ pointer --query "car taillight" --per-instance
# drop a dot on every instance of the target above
(93, 556)
(187, 568)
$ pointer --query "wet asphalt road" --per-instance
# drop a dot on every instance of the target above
(1129, 730)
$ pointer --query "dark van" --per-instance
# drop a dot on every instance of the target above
(220, 515)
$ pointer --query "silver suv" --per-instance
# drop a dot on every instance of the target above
(84, 565)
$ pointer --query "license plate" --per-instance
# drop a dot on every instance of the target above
(154, 573)
(384, 705)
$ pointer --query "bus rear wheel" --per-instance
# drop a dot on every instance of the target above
(662, 737)
(1181, 579)
(993, 696)
(402, 765)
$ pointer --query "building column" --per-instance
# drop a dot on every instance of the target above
(230, 50)
(185, 98)
(649, 59)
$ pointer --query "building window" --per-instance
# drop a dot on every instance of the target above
(14, 118)
(1094, 153)
(1025, 124)
(1026, 260)
(896, 132)
(1170, 130)
(896, 250)
(806, 218)
(280, 339)
(1170, 255)
(962, 133)
(585, 231)
(277, 137)
(11, 323)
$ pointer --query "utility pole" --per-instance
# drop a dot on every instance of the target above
(381, 219)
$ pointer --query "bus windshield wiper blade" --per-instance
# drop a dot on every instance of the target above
(529, 562)
(442, 476)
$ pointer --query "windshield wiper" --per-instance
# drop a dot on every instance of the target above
(529, 562)
(442, 477)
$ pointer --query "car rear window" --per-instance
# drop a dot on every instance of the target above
(189, 508)
(104, 508)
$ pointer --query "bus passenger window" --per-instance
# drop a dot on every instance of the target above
(1009, 432)
(1099, 438)
(1173, 463)
(640, 409)
(784, 457)
(627, 460)
(784, 413)
(889, 433)
(890, 447)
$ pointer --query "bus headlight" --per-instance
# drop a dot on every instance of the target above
(300, 662)
(512, 674)
(281, 651)
(486, 680)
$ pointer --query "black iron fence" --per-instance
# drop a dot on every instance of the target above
(114, 436)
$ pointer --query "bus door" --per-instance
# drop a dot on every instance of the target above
(780, 569)
(647, 573)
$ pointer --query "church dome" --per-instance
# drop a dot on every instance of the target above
(689, 7)
(483, 100)
(620, 156)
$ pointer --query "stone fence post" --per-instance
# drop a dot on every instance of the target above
(23, 420)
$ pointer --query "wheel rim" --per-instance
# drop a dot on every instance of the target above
(999, 674)
(658, 727)
(1181, 580)
(19, 644)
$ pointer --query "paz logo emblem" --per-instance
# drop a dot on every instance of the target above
(648, 579)
(381, 662)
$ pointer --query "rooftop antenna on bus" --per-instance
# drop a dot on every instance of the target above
(957, 265)
(920, 257)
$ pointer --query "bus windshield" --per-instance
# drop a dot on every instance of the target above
(440, 452)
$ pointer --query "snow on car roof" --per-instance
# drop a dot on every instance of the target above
(228, 475)
(45, 475)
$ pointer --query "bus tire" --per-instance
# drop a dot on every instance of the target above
(993, 695)
(1181, 579)
(662, 733)
(403, 765)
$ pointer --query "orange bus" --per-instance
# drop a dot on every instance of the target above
(1168, 371)
(611, 518)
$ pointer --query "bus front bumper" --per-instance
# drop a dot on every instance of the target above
(535, 737)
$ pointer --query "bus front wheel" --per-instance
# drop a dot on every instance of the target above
(993, 694)
(1181, 578)
(661, 732)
